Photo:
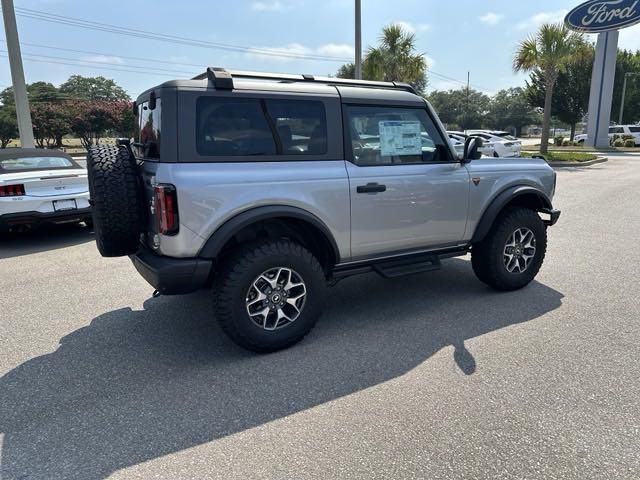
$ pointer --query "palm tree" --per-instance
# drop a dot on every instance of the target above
(550, 51)
(393, 60)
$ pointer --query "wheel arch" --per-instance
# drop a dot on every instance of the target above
(519, 195)
(297, 221)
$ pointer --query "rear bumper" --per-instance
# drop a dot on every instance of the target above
(11, 220)
(172, 276)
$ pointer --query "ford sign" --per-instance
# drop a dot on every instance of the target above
(602, 15)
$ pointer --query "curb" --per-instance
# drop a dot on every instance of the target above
(579, 164)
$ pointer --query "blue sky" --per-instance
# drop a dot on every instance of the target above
(466, 35)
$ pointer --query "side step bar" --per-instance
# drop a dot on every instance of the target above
(400, 268)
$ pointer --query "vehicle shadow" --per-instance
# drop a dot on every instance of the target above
(132, 386)
(43, 239)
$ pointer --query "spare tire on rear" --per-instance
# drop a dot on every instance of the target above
(116, 199)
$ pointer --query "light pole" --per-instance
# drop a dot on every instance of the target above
(17, 75)
(624, 92)
(358, 72)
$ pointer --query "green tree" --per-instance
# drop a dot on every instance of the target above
(8, 125)
(37, 92)
(628, 62)
(93, 88)
(510, 109)
(550, 51)
(393, 60)
(571, 99)
(465, 109)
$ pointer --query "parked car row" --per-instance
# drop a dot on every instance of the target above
(41, 186)
(631, 130)
(495, 143)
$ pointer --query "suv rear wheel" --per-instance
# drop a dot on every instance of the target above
(268, 295)
(512, 253)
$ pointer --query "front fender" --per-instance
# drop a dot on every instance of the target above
(543, 204)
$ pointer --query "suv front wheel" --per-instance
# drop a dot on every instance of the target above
(268, 295)
(512, 253)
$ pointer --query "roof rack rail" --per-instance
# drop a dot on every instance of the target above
(223, 79)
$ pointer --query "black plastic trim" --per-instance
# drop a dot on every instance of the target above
(500, 201)
(223, 234)
(36, 218)
(172, 276)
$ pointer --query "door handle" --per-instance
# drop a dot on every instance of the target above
(372, 188)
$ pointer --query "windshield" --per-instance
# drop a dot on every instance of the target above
(35, 163)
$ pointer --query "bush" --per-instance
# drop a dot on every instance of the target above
(566, 143)
(630, 143)
(558, 141)
(618, 142)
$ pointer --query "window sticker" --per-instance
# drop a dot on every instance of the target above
(400, 138)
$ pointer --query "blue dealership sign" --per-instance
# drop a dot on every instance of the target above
(603, 15)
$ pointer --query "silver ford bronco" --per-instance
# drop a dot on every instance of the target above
(267, 188)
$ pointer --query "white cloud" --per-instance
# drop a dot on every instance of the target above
(411, 28)
(543, 17)
(491, 18)
(104, 59)
(292, 50)
(630, 38)
(268, 6)
(336, 50)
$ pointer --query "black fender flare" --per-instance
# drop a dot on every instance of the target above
(500, 201)
(227, 230)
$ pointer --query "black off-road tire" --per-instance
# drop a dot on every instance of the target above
(116, 200)
(236, 275)
(487, 256)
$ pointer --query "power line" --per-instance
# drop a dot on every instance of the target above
(93, 66)
(91, 52)
(94, 62)
(137, 33)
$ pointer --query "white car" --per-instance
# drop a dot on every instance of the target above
(633, 130)
(498, 144)
(41, 186)
(459, 138)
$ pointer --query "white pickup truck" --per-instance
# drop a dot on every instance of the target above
(633, 130)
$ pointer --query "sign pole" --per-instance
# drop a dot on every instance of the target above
(17, 75)
(602, 81)
(358, 41)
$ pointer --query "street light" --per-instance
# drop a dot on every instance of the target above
(17, 75)
(358, 63)
(624, 91)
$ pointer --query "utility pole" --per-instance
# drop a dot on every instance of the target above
(358, 40)
(17, 75)
(624, 92)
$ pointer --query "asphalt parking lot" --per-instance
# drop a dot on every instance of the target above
(431, 376)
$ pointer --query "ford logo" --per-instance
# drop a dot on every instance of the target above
(603, 15)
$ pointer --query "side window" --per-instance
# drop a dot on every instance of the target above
(253, 127)
(148, 130)
(232, 127)
(634, 129)
(301, 126)
(616, 130)
(394, 135)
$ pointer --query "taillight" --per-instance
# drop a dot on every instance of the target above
(11, 190)
(166, 203)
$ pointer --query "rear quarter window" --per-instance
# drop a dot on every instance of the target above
(237, 127)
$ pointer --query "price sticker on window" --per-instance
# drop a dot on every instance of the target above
(398, 138)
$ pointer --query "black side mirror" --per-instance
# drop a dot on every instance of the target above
(472, 149)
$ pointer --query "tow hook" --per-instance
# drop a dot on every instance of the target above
(156, 294)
